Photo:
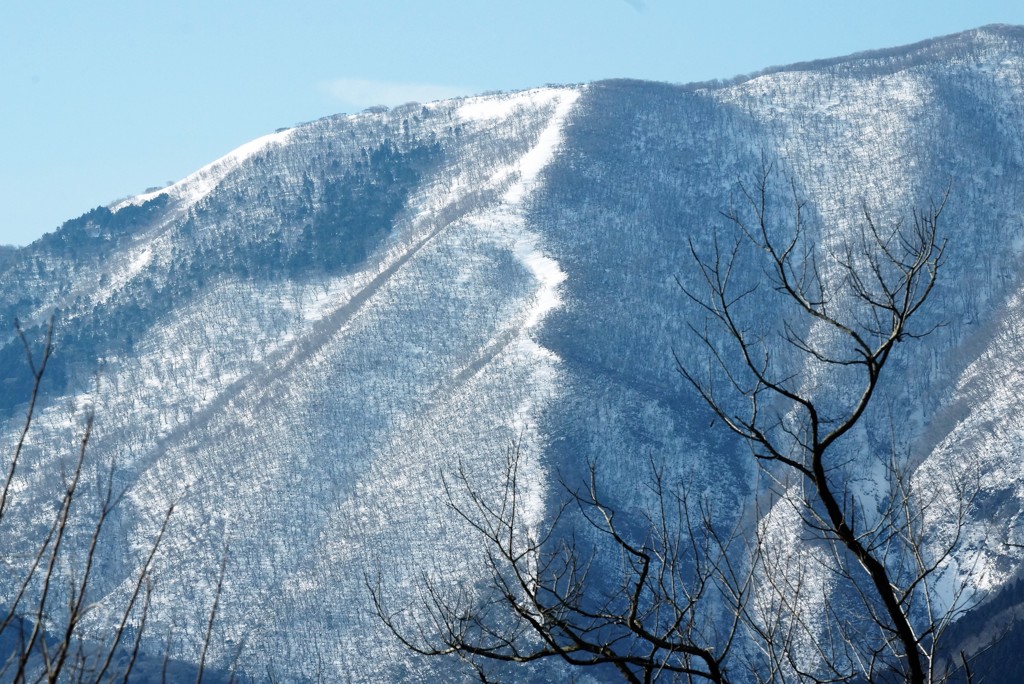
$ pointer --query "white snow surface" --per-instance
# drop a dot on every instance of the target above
(545, 269)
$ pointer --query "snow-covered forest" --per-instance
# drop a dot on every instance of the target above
(300, 345)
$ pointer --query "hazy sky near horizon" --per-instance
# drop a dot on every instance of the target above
(102, 100)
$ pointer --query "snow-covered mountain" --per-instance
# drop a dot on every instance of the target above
(297, 342)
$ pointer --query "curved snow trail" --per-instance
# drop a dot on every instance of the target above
(507, 223)
(545, 269)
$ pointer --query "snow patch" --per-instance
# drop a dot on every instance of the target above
(140, 261)
(547, 272)
(120, 277)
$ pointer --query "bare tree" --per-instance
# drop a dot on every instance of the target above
(639, 606)
(846, 308)
(42, 614)
(679, 597)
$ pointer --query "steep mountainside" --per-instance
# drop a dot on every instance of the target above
(297, 342)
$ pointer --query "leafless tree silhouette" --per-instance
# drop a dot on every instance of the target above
(41, 620)
(673, 596)
(846, 308)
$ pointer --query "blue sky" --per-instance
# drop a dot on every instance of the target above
(101, 100)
